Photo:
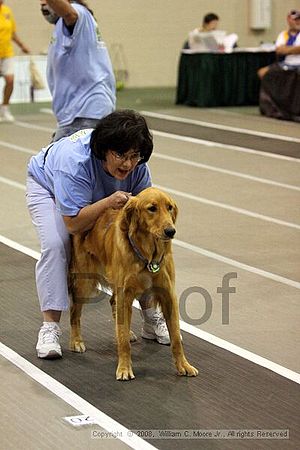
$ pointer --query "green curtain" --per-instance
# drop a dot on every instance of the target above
(214, 79)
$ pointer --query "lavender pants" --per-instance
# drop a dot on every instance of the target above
(52, 268)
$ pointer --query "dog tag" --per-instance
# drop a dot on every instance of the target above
(153, 267)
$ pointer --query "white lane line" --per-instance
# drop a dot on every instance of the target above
(238, 264)
(243, 353)
(260, 361)
(17, 147)
(225, 171)
(218, 145)
(186, 162)
(185, 139)
(33, 127)
(234, 209)
(176, 137)
(219, 126)
(235, 349)
(47, 111)
(186, 246)
(201, 251)
(74, 400)
(19, 247)
(221, 147)
(182, 161)
(12, 183)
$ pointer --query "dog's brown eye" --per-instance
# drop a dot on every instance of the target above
(170, 207)
(152, 208)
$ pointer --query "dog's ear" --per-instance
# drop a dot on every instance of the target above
(174, 211)
(127, 214)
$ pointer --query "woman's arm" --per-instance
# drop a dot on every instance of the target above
(18, 41)
(87, 216)
(65, 10)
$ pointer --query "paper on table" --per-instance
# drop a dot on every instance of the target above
(229, 42)
(212, 41)
(206, 41)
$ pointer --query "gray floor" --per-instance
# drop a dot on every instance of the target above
(239, 212)
(33, 417)
(230, 392)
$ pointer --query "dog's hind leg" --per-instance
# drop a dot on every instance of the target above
(112, 302)
(82, 286)
(76, 341)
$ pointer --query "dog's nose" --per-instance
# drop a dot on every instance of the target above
(169, 232)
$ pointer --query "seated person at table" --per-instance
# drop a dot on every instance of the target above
(208, 39)
(210, 23)
(287, 46)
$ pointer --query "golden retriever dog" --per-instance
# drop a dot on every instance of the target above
(130, 251)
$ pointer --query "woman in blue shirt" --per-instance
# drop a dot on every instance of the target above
(79, 71)
(70, 184)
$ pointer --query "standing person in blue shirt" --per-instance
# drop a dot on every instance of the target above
(79, 70)
(70, 184)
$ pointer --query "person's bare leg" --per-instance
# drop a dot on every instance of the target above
(51, 316)
(8, 89)
(6, 115)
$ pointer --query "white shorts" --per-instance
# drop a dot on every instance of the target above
(6, 66)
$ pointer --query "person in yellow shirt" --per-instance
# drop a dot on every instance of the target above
(7, 35)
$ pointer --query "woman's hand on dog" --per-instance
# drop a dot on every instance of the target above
(118, 199)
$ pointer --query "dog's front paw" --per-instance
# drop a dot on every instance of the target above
(186, 369)
(124, 373)
(77, 345)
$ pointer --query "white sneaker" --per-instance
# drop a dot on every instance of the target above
(155, 327)
(5, 114)
(48, 341)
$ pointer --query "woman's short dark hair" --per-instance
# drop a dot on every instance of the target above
(122, 131)
(210, 17)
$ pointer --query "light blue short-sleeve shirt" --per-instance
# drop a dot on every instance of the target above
(75, 178)
(79, 71)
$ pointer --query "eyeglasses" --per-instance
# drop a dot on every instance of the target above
(134, 157)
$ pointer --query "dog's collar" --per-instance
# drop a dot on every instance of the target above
(153, 266)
